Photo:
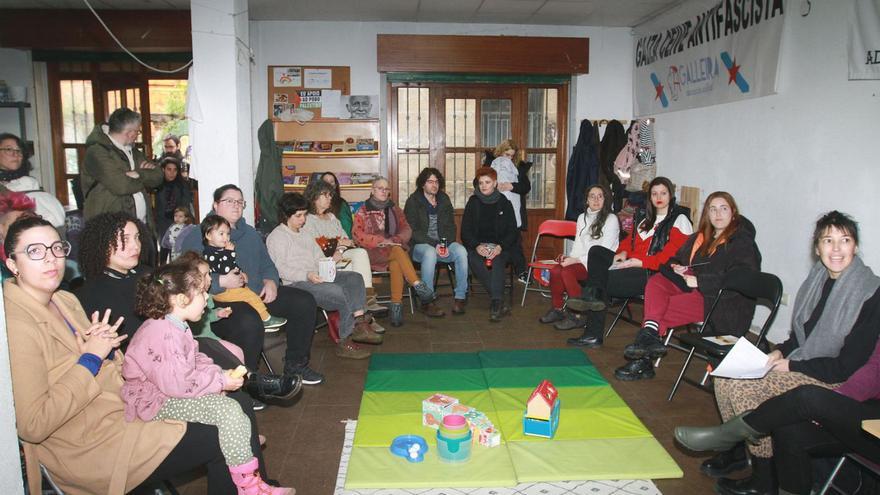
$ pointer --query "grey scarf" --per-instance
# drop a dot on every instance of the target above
(855, 286)
(488, 199)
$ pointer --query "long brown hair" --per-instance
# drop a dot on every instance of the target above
(705, 228)
(650, 213)
(604, 211)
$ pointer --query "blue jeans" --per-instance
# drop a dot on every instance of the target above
(426, 255)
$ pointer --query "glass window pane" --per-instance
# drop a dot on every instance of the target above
(71, 199)
(133, 99)
(494, 122)
(461, 122)
(542, 118)
(543, 178)
(460, 170)
(167, 112)
(114, 101)
(412, 118)
(408, 167)
(71, 161)
(77, 110)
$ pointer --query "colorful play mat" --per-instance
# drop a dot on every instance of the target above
(599, 437)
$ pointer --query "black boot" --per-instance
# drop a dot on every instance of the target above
(267, 387)
(638, 369)
(495, 311)
(587, 339)
(589, 300)
(727, 462)
(761, 482)
(648, 343)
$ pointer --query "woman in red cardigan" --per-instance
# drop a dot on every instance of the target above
(657, 237)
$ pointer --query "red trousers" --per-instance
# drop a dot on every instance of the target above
(670, 306)
(566, 279)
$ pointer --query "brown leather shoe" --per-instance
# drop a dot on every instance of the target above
(432, 310)
(364, 334)
(458, 307)
(347, 349)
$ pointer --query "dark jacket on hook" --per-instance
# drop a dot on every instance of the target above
(268, 186)
(613, 141)
(583, 170)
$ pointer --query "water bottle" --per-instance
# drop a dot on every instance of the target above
(442, 250)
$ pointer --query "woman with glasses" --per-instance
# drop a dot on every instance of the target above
(381, 228)
(258, 272)
(66, 377)
(15, 167)
(339, 207)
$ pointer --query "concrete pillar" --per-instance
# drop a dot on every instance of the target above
(10, 470)
(221, 128)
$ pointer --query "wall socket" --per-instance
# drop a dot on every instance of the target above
(785, 299)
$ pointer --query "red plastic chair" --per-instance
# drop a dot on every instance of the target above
(554, 228)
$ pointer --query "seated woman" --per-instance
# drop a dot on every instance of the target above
(296, 255)
(339, 207)
(15, 166)
(380, 227)
(835, 325)
(66, 382)
(322, 222)
(806, 421)
(653, 241)
(596, 226)
(260, 275)
(725, 241)
(488, 231)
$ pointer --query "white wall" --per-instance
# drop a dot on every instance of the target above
(603, 93)
(789, 157)
(16, 69)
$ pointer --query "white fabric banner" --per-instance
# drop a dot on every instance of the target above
(864, 40)
(728, 52)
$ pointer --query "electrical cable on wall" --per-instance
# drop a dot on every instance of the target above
(132, 55)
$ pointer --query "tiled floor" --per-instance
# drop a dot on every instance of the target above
(305, 439)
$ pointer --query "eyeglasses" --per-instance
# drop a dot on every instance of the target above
(234, 202)
(38, 251)
(12, 151)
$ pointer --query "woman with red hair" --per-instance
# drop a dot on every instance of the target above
(687, 284)
(488, 231)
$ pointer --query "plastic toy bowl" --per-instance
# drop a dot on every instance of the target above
(410, 447)
(454, 449)
(454, 421)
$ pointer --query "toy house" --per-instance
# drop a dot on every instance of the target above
(542, 411)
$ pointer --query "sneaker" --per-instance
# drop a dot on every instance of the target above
(395, 310)
(308, 375)
(570, 322)
(647, 344)
(375, 325)
(273, 323)
(426, 295)
(639, 369)
(589, 300)
(363, 334)
(257, 405)
(431, 310)
(269, 387)
(372, 305)
(552, 316)
(523, 278)
(347, 349)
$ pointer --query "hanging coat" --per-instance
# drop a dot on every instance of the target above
(268, 186)
(583, 170)
(612, 142)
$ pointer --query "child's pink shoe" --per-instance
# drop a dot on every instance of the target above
(247, 478)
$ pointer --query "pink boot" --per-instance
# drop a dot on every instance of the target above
(247, 479)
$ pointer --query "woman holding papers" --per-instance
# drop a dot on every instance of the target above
(807, 420)
(664, 229)
(687, 284)
(835, 325)
(596, 226)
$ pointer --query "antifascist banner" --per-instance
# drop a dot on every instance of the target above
(864, 40)
(726, 53)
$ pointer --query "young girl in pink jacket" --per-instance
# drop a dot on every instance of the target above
(166, 377)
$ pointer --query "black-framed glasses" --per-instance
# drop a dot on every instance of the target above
(12, 151)
(234, 202)
(37, 251)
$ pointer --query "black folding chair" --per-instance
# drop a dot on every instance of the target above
(766, 288)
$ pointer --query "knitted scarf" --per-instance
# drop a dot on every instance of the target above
(387, 209)
(488, 199)
(11, 175)
(855, 286)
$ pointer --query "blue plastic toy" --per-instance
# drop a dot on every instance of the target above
(410, 447)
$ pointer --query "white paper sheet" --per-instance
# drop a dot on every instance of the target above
(331, 106)
(744, 361)
(318, 78)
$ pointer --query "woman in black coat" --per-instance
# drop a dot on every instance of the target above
(687, 284)
(488, 231)
(174, 192)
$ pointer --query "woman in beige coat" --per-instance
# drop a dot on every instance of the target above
(66, 377)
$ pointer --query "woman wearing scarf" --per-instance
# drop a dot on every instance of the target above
(15, 167)
(834, 329)
(488, 231)
(174, 192)
(380, 227)
(725, 241)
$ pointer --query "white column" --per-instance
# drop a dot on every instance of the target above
(221, 139)
(10, 471)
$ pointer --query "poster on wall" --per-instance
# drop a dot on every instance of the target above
(287, 77)
(359, 107)
(318, 78)
(864, 40)
(728, 52)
